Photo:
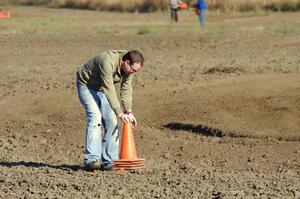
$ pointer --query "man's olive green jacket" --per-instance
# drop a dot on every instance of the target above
(102, 73)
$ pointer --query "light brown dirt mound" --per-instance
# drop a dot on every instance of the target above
(257, 106)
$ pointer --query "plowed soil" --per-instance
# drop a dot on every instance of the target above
(218, 111)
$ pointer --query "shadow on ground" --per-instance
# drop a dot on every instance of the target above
(39, 165)
(197, 129)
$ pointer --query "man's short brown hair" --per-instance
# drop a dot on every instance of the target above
(134, 56)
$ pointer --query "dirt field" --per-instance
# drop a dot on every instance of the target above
(218, 108)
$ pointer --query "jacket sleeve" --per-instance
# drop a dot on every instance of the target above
(126, 92)
(108, 87)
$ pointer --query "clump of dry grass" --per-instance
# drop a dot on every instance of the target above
(3, 2)
(154, 5)
(254, 5)
(281, 5)
(113, 5)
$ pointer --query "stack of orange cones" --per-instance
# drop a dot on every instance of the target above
(128, 158)
(182, 5)
(3, 16)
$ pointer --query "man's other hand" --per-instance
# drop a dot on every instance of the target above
(132, 119)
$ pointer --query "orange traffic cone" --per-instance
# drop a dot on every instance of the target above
(182, 5)
(3, 16)
(128, 150)
(128, 158)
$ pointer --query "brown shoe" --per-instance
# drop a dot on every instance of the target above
(105, 168)
(94, 165)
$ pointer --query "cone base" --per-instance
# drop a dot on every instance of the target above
(128, 160)
(126, 169)
(125, 165)
(129, 165)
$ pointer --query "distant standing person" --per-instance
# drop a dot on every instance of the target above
(96, 81)
(174, 9)
(201, 7)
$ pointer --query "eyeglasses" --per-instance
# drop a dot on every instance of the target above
(132, 69)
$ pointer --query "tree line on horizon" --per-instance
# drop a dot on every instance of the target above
(162, 5)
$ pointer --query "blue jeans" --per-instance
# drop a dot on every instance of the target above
(202, 17)
(99, 116)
